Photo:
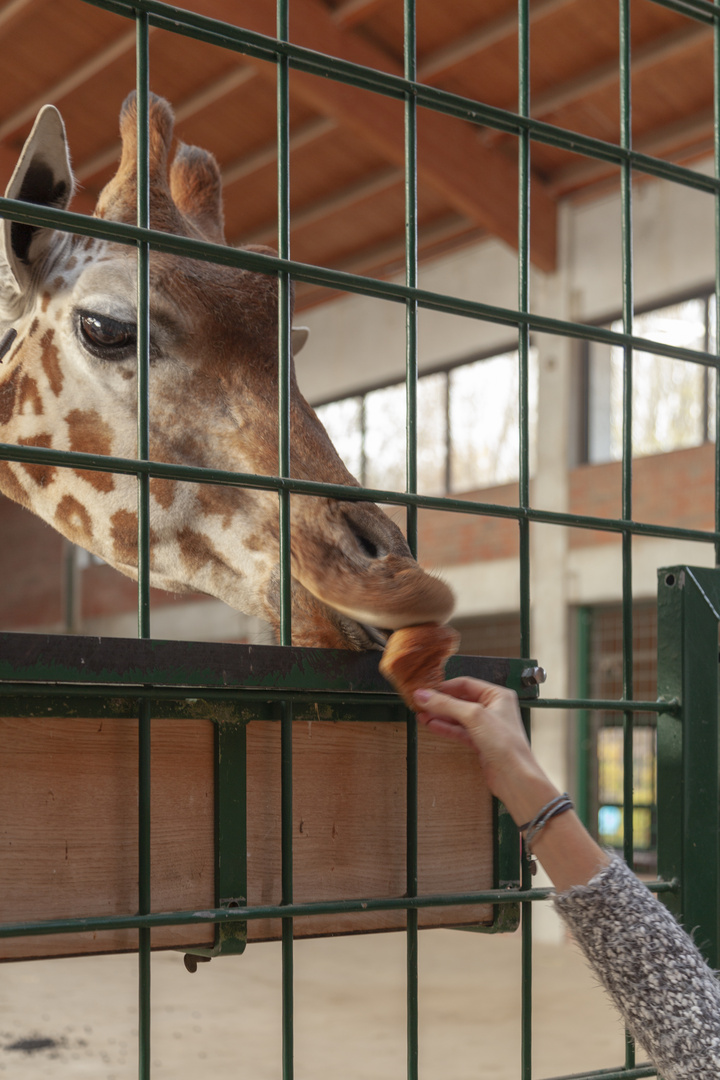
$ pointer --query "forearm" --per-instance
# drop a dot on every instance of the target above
(567, 852)
(668, 996)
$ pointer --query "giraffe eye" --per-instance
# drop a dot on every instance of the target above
(107, 338)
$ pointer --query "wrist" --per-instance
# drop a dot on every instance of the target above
(524, 790)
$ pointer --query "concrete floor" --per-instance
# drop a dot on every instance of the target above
(75, 1018)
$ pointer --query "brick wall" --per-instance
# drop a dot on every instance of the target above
(670, 489)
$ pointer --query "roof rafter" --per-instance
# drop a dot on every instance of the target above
(122, 45)
(645, 59)
(188, 107)
(479, 183)
(342, 199)
(436, 64)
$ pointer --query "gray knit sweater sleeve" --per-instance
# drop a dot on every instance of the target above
(668, 996)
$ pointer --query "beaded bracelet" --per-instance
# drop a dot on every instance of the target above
(534, 827)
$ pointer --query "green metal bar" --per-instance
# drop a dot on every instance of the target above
(231, 887)
(702, 10)
(411, 479)
(524, 482)
(688, 758)
(716, 152)
(627, 449)
(229, 668)
(612, 1074)
(188, 702)
(627, 452)
(582, 737)
(277, 911)
(72, 459)
(143, 501)
(346, 282)
(284, 354)
(190, 24)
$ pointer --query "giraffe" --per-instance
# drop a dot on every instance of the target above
(69, 378)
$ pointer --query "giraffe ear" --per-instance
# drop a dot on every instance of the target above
(43, 176)
(299, 335)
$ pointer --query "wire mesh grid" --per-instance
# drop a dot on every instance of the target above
(286, 56)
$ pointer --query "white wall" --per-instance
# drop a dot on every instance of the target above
(358, 342)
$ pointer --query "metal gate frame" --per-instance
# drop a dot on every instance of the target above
(684, 867)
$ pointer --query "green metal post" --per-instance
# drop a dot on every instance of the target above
(627, 450)
(411, 382)
(524, 473)
(716, 147)
(143, 482)
(582, 739)
(688, 779)
(284, 354)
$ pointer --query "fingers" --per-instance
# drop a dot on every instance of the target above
(438, 704)
(484, 693)
(449, 728)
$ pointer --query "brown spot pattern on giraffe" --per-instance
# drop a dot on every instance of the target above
(41, 474)
(8, 395)
(221, 501)
(50, 359)
(124, 532)
(73, 519)
(11, 486)
(46, 298)
(90, 434)
(163, 491)
(29, 393)
(196, 550)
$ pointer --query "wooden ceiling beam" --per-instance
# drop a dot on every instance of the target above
(188, 107)
(351, 12)
(644, 59)
(475, 42)
(16, 10)
(479, 183)
(684, 139)
(324, 207)
(304, 135)
(57, 91)
(389, 257)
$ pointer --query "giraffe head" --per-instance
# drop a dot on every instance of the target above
(69, 382)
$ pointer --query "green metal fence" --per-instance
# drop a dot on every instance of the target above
(690, 601)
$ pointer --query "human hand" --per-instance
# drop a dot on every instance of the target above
(485, 717)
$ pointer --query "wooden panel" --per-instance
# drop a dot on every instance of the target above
(349, 824)
(68, 839)
(68, 832)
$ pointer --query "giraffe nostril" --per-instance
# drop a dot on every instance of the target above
(367, 546)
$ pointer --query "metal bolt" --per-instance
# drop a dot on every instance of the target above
(533, 676)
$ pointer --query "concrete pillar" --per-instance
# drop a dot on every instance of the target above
(549, 544)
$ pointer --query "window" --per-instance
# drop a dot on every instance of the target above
(601, 759)
(467, 427)
(673, 400)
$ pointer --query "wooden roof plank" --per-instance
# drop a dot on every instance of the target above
(482, 184)
(53, 94)
(645, 59)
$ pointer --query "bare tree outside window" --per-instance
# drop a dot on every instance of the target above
(484, 426)
(673, 400)
(343, 423)
(467, 428)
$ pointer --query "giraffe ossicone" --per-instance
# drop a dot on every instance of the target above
(68, 382)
